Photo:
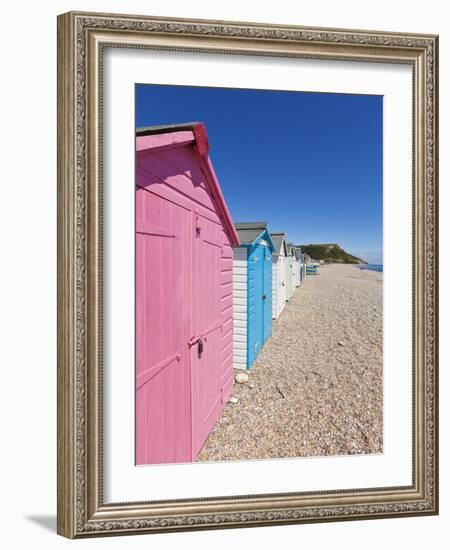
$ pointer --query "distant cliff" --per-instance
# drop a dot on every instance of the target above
(331, 253)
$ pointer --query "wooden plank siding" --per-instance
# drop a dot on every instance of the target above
(226, 345)
(240, 308)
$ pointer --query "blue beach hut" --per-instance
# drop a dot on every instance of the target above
(252, 292)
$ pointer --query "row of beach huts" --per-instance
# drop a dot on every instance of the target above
(266, 270)
(207, 291)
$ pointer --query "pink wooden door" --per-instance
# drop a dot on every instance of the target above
(206, 325)
(163, 385)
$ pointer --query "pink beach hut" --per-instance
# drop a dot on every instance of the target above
(184, 262)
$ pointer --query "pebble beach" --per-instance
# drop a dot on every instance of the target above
(316, 388)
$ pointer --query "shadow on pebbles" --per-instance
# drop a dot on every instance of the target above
(316, 386)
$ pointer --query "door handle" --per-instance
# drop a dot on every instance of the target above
(264, 296)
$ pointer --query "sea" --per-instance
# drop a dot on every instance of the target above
(373, 267)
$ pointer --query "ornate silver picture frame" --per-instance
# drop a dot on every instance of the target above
(82, 39)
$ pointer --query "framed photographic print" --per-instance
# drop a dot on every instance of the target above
(247, 274)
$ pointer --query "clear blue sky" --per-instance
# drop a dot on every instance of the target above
(308, 163)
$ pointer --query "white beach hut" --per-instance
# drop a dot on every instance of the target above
(279, 288)
(297, 265)
(290, 260)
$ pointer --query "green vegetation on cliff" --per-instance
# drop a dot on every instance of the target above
(331, 253)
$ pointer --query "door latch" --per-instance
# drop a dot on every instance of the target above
(197, 342)
(200, 346)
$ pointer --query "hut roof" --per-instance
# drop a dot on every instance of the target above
(165, 128)
(249, 232)
(297, 252)
(195, 133)
(290, 249)
(279, 240)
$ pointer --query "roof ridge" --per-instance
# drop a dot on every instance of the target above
(251, 225)
(165, 128)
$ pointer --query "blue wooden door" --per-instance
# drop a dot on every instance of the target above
(267, 294)
(255, 300)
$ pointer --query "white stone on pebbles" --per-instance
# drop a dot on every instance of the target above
(241, 377)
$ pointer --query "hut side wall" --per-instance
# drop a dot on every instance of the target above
(226, 308)
(240, 308)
